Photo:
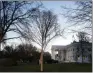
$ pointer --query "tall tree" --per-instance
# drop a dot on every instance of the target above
(80, 14)
(14, 16)
(45, 28)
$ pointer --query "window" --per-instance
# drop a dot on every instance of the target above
(78, 55)
(84, 57)
(68, 50)
(89, 49)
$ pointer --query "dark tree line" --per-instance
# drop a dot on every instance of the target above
(24, 53)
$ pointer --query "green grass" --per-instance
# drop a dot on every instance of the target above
(65, 67)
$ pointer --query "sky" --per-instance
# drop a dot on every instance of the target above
(55, 6)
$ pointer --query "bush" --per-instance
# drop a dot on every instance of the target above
(51, 61)
(7, 62)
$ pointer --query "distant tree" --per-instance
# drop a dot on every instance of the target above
(25, 52)
(28, 52)
(1, 54)
(82, 36)
(90, 58)
(22, 52)
(82, 40)
(8, 50)
(47, 56)
(76, 54)
(35, 56)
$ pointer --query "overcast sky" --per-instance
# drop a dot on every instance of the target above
(55, 6)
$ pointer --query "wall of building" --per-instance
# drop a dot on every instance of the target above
(71, 53)
(53, 54)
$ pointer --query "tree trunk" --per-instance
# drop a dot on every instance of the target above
(82, 50)
(0, 46)
(41, 61)
(82, 56)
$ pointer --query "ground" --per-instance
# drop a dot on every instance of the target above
(69, 67)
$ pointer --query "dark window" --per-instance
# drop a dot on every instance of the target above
(89, 49)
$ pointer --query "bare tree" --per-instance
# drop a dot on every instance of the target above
(14, 16)
(79, 15)
(45, 28)
(82, 14)
(82, 39)
(82, 36)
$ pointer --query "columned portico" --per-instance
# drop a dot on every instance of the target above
(61, 54)
(68, 53)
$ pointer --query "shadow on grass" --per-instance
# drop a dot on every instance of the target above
(65, 67)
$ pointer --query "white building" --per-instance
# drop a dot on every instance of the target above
(72, 52)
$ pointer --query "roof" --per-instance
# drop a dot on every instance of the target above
(61, 47)
(58, 47)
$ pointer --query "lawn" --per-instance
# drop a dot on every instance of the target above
(65, 67)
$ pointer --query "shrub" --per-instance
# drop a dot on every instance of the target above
(7, 62)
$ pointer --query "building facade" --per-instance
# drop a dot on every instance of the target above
(74, 52)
